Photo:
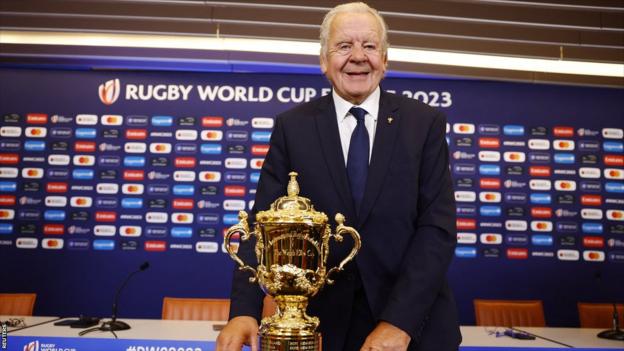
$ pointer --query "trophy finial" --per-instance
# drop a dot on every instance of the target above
(293, 186)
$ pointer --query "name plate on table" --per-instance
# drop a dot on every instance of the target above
(48, 343)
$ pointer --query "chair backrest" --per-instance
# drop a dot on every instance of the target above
(598, 315)
(17, 304)
(509, 313)
(268, 306)
(195, 309)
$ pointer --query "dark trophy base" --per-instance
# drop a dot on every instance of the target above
(290, 343)
(114, 325)
(613, 334)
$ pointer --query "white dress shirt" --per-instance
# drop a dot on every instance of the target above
(347, 122)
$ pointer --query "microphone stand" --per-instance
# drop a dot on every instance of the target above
(616, 333)
(114, 324)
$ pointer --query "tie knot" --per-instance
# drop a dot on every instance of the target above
(358, 113)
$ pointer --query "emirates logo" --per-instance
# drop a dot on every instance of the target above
(109, 91)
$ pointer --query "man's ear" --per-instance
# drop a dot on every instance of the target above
(323, 62)
(385, 60)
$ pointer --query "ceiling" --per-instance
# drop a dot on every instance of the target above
(579, 30)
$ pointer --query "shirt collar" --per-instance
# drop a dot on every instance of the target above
(371, 104)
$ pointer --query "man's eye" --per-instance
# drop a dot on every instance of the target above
(344, 47)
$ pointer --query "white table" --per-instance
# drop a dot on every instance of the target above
(200, 336)
(28, 320)
(576, 337)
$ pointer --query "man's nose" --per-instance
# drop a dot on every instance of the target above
(357, 53)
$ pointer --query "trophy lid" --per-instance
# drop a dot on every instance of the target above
(292, 208)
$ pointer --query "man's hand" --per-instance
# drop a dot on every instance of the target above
(239, 331)
(386, 337)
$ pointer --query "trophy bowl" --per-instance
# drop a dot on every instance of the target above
(292, 245)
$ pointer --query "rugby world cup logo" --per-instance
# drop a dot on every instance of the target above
(32, 346)
(109, 91)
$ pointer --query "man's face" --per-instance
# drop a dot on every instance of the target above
(354, 62)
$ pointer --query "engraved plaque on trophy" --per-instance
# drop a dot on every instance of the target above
(292, 245)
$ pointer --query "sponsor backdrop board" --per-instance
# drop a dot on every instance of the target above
(101, 171)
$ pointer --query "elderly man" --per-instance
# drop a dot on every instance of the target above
(381, 160)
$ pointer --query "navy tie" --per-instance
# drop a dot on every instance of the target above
(357, 160)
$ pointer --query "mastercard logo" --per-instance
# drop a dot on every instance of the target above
(79, 201)
(564, 145)
(490, 238)
(84, 160)
(213, 135)
(256, 163)
(596, 256)
(514, 157)
(210, 176)
(565, 185)
(541, 226)
(182, 218)
(112, 120)
(130, 231)
(615, 215)
(160, 148)
(132, 188)
(463, 128)
(6, 214)
(36, 132)
(32, 172)
(613, 173)
(490, 197)
(53, 244)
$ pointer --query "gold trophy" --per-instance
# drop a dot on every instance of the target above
(292, 245)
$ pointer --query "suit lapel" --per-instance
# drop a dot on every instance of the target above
(388, 123)
(327, 128)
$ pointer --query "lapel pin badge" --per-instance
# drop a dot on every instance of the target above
(390, 119)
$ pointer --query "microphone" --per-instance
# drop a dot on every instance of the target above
(114, 324)
(616, 333)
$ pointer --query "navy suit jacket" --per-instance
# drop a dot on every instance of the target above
(406, 220)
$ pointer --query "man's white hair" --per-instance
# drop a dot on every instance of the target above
(352, 7)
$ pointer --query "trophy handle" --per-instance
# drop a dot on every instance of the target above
(357, 243)
(243, 228)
